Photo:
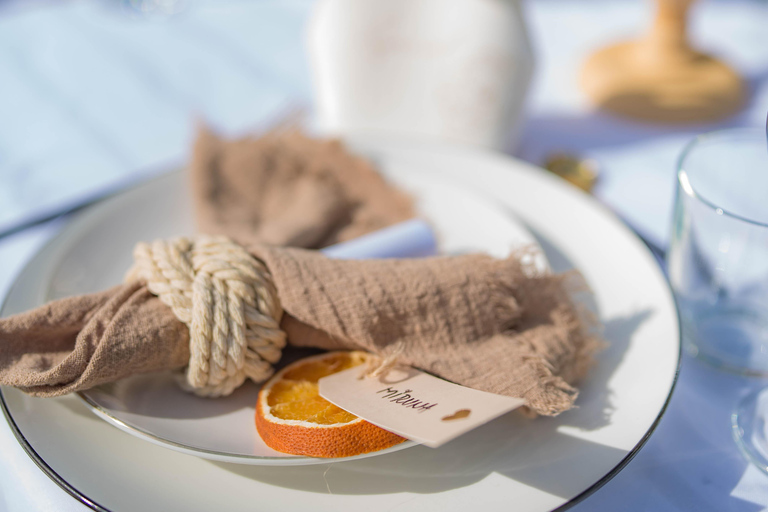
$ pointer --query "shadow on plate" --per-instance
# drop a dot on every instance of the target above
(595, 409)
(618, 331)
(510, 446)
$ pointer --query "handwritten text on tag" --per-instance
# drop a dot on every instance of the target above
(414, 404)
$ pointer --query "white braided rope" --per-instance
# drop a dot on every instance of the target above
(228, 301)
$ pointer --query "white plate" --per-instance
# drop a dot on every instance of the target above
(153, 407)
(512, 462)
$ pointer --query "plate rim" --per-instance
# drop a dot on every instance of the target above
(387, 142)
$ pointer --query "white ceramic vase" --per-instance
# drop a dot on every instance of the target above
(446, 70)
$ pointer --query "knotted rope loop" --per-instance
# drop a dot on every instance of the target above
(228, 301)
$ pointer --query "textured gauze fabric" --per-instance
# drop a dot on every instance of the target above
(490, 324)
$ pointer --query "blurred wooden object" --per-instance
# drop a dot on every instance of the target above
(660, 77)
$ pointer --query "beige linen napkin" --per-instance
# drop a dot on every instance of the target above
(482, 322)
(287, 189)
(475, 320)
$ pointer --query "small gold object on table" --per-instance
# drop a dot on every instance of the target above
(660, 78)
(580, 172)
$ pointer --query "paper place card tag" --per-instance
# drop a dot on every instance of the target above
(414, 404)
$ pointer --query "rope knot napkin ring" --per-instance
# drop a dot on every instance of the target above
(226, 298)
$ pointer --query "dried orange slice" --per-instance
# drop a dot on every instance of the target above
(292, 417)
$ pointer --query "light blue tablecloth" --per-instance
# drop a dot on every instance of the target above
(90, 98)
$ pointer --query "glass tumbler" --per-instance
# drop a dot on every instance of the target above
(718, 255)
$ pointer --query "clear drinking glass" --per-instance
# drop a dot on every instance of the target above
(718, 265)
(718, 254)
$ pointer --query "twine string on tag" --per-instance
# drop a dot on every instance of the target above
(378, 366)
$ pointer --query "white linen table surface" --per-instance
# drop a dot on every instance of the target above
(91, 98)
